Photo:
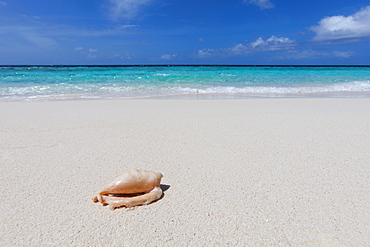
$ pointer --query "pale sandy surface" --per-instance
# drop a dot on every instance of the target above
(251, 172)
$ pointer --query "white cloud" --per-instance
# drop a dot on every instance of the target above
(263, 4)
(126, 9)
(304, 54)
(311, 54)
(342, 27)
(128, 26)
(78, 48)
(240, 49)
(205, 53)
(344, 54)
(93, 50)
(168, 57)
(122, 57)
(272, 44)
(90, 56)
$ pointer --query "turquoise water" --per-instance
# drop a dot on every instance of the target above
(60, 83)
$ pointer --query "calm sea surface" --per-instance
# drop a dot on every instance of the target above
(63, 83)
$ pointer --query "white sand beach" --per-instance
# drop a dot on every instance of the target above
(241, 172)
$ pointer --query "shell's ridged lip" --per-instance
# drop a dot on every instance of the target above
(127, 195)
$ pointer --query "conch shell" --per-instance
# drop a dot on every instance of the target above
(132, 188)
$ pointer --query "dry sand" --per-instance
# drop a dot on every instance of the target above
(250, 172)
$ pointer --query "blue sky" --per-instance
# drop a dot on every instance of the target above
(185, 32)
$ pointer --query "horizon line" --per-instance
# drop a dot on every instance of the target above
(177, 65)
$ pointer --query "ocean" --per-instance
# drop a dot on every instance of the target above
(48, 83)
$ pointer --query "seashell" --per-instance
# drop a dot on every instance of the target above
(132, 188)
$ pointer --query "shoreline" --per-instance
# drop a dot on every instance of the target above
(201, 96)
(75, 83)
(229, 96)
(241, 172)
